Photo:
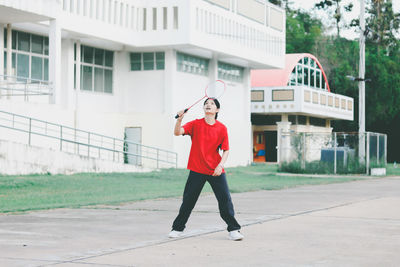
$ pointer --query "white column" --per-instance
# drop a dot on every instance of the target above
(78, 66)
(55, 61)
(170, 70)
(213, 69)
(170, 105)
(1, 55)
(9, 53)
(78, 82)
(1, 52)
(67, 77)
(283, 141)
(247, 108)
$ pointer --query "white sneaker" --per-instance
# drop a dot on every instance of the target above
(235, 235)
(175, 234)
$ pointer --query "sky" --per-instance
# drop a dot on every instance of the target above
(350, 33)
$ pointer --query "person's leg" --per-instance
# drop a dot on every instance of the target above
(221, 191)
(193, 187)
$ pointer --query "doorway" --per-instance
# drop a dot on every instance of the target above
(271, 141)
(133, 147)
(258, 147)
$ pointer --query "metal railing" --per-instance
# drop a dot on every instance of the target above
(21, 86)
(84, 143)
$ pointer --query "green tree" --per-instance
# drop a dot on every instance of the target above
(302, 32)
(383, 24)
(340, 57)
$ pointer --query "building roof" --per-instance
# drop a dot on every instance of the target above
(280, 77)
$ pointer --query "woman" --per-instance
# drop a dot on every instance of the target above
(206, 164)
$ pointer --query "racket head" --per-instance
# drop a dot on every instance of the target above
(215, 89)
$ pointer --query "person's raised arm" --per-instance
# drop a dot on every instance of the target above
(178, 128)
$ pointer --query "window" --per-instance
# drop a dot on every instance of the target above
(292, 119)
(317, 122)
(29, 55)
(292, 80)
(297, 119)
(147, 61)
(307, 72)
(301, 120)
(299, 75)
(230, 72)
(257, 119)
(192, 64)
(160, 60)
(96, 69)
(136, 61)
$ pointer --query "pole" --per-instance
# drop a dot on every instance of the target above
(361, 84)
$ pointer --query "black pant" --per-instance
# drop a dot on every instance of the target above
(194, 185)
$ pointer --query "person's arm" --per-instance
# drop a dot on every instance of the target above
(220, 166)
(178, 128)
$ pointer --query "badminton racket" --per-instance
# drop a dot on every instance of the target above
(213, 90)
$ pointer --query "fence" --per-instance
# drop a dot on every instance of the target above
(332, 152)
(20, 86)
(84, 143)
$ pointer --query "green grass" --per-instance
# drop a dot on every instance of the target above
(391, 170)
(35, 192)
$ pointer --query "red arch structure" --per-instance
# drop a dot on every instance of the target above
(280, 77)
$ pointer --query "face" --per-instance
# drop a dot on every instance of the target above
(210, 107)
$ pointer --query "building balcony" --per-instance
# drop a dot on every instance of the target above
(20, 11)
(301, 100)
(249, 33)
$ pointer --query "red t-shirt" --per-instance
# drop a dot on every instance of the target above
(206, 141)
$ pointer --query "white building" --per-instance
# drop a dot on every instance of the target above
(119, 65)
(296, 98)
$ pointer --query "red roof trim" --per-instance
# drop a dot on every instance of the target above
(280, 77)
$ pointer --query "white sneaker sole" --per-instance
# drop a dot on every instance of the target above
(236, 239)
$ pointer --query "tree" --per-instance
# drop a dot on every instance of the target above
(335, 10)
(340, 57)
(302, 32)
(383, 24)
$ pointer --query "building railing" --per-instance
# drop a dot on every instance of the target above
(84, 143)
(301, 99)
(264, 32)
(133, 15)
(20, 86)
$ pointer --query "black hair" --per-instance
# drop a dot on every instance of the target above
(216, 103)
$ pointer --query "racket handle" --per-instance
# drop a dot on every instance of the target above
(177, 116)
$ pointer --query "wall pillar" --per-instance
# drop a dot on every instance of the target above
(170, 70)
(283, 141)
(1, 54)
(213, 69)
(55, 61)
(247, 108)
(9, 71)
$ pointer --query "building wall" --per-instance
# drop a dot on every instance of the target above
(150, 99)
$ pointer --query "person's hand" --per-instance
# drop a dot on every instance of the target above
(218, 170)
(180, 114)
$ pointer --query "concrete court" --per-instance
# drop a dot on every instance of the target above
(347, 224)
